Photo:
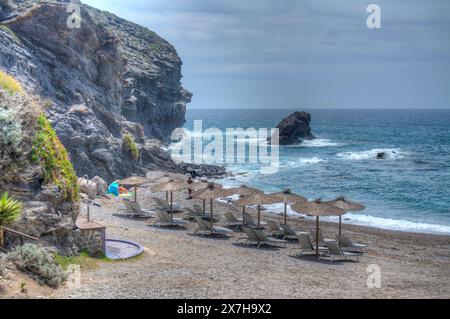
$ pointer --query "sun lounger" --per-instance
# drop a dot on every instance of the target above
(232, 221)
(164, 205)
(199, 209)
(204, 228)
(250, 238)
(305, 247)
(249, 222)
(264, 240)
(133, 210)
(140, 212)
(191, 214)
(335, 253)
(322, 240)
(276, 229)
(291, 234)
(347, 244)
(164, 220)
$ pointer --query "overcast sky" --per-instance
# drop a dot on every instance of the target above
(310, 54)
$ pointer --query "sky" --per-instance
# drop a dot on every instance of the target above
(309, 54)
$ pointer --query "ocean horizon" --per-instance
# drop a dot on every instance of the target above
(408, 191)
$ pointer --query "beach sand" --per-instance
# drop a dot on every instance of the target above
(176, 264)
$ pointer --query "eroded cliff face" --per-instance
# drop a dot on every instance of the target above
(34, 169)
(101, 80)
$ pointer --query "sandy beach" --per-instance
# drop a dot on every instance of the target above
(176, 264)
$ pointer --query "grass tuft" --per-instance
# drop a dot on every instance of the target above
(10, 84)
(49, 151)
(130, 146)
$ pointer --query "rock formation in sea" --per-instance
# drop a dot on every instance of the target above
(112, 88)
(294, 129)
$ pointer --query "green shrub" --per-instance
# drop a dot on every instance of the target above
(10, 84)
(10, 211)
(130, 146)
(39, 263)
(10, 130)
(49, 151)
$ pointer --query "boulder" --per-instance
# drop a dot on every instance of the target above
(294, 129)
(102, 186)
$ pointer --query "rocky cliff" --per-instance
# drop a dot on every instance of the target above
(103, 78)
(35, 169)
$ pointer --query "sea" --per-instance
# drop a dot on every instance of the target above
(408, 191)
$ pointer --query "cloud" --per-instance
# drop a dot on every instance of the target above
(227, 43)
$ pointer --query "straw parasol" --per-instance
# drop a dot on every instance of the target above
(196, 187)
(211, 192)
(287, 197)
(134, 181)
(257, 199)
(318, 209)
(243, 191)
(171, 186)
(347, 205)
(167, 177)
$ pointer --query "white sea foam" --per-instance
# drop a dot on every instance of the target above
(304, 162)
(372, 221)
(320, 142)
(391, 153)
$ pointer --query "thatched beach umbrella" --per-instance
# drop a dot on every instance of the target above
(347, 205)
(171, 186)
(287, 197)
(318, 209)
(212, 192)
(201, 186)
(167, 177)
(243, 191)
(257, 199)
(134, 181)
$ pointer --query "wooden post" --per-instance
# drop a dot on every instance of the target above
(285, 213)
(243, 212)
(340, 225)
(88, 210)
(317, 238)
(204, 207)
(212, 219)
(171, 206)
(259, 216)
(135, 194)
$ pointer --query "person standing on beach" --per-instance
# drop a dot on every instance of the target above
(190, 181)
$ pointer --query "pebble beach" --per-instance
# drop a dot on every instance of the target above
(177, 264)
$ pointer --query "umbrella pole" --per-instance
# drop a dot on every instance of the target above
(167, 196)
(317, 238)
(340, 225)
(204, 207)
(135, 194)
(171, 205)
(212, 220)
(285, 213)
(259, 216)
(243, 212)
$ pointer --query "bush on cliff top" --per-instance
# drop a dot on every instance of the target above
(49, 151)
(129, 145)
(39, 263)
(10, 84)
